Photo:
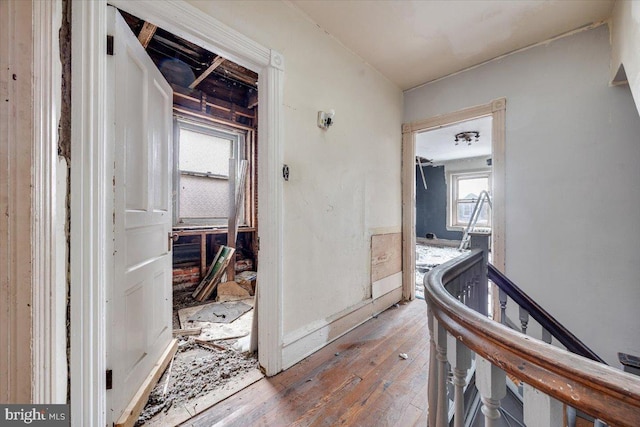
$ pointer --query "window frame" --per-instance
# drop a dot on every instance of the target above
(239, 152)
(453, 178)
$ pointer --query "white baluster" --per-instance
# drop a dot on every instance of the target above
(459, 357)
(571, 416)
(524, 319)
(492, 385)
(546, 336)
(433, 373)
(540, 409)
(442, 419)
(502, 296)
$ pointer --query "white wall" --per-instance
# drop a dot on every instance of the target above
(572, 174)
(344, 182)
(625, 38)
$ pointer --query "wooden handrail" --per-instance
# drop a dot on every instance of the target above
(603, 392)
(546, 320)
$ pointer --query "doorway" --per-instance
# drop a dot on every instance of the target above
(91, 261)
(453, 187)
(410, 134)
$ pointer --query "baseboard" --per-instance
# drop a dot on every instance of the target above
(386, 285)
(305, 341)
(438, 242)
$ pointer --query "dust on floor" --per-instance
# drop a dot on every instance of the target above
(428, 257)
(204, 366)
(197, 369)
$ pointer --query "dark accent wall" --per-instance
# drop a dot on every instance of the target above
(431, 204)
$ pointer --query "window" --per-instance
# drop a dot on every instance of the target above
(464, 190)
(202, 178)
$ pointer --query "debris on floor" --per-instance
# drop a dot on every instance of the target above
(198, 368)
(212, 361)
(225, 312)
(428, 257)
(403, 356)
(204, 317)
(231, 291)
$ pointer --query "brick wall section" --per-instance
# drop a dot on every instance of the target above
(186, 276)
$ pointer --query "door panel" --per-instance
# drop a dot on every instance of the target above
(139, 307)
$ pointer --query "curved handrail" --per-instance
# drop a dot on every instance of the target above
(546, 320)
(596, 389)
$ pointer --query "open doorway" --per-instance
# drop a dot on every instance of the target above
(412, 177)
(213, 239)
(453, 191)
(92, 262)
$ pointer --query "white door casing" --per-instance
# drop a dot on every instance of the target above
(139, 296)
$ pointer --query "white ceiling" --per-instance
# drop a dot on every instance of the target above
(412, 42)
(438, 145)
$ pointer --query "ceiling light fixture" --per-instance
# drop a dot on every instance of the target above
(467, 137)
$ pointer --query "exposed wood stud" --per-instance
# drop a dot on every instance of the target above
(215, 64)
(146, 34)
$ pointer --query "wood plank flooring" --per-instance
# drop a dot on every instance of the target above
(357, 380)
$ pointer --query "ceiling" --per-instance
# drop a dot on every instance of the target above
(203, 82)
(438, 145)
(412, 42)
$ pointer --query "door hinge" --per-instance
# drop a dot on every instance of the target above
(109, 378)
(109, 45)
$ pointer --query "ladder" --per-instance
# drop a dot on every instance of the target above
(482, 198)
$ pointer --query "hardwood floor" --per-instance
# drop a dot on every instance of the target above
(358, 380)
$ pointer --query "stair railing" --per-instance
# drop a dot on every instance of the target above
(456, 294)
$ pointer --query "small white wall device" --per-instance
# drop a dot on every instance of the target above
(325, 119)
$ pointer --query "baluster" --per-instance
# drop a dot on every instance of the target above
(442, 419)
(502, 296)
(598, 423)
(540, 409)
(459, 357)
(546, 336)
(524, 319)
(571, 416)
(492, 385)
(433, 373)
(464, 277)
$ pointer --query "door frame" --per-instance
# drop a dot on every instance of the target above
(497, 110)
(91, 186)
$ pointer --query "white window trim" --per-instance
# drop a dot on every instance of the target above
(452, 177)
(239, 146)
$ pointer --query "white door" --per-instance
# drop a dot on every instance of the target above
(139, 302)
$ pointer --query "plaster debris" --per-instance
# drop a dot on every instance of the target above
(196, 370)
(428, 257)
(403, 356)
(225, 312)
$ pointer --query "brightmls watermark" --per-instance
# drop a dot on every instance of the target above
(34, 415)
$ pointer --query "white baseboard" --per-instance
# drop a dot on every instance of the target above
(386, 285)
(438, 242)
(307, 340)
